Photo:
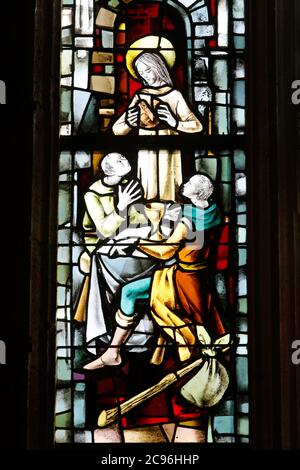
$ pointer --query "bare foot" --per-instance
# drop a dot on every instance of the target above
(103, 361)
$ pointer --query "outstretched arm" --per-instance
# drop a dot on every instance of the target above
(169, 248)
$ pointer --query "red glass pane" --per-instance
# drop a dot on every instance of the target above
(213, 7)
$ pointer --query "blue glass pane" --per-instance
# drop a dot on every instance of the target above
(224, 424)
(79, 405)
(239, 93)
(239, 42)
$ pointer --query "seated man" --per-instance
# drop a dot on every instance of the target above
(180, 295)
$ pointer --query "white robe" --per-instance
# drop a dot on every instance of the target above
(160, 172)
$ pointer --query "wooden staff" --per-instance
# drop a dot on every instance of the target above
(107, 417)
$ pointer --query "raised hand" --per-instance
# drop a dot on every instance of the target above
(129, 194)
(165, 114)
(132, 116)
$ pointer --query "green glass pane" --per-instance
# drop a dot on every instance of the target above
(243, 306)
(68, 2)
(65, 105)
(81, 357)
(90, 122)
(224, 424)
(64, 203)
(242, 374)
(208, 166)
(63, 274)
(239, 160)
(243, 425)
(239, 93)
(64, 420)
(63, 371)
(225, 191)
(114, 3)
(226, 169)
(220, 74)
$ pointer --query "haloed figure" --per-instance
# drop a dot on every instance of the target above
(158, 108)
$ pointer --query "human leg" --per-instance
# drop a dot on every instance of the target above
(126, 320)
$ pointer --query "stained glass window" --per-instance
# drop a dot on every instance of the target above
(152, 335)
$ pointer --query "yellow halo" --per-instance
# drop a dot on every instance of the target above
(150, 44)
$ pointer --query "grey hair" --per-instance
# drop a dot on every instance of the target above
(156, 62)
(204, 187)
(107, 168)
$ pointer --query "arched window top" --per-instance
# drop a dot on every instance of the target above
(152, 228)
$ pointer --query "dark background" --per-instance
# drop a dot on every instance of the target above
(273, 130)
(16, 117)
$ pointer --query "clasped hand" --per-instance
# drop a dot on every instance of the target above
(163, 113)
